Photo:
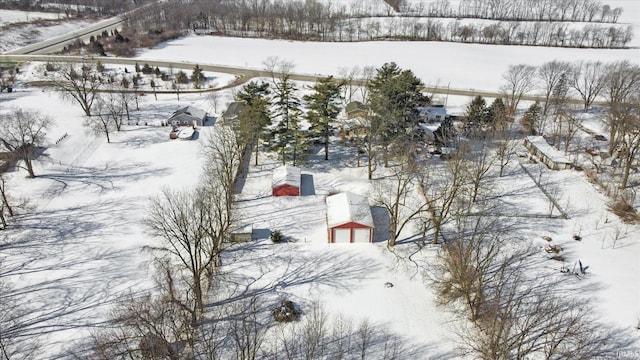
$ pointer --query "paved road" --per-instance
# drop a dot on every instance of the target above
(245, 74)
(58, 43)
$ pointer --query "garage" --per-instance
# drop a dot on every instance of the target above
(341, 235)
(349, 218)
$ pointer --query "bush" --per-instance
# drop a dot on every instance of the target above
(287, 311)
(277, 237)
(625, 211)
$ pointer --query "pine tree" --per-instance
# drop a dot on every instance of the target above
(395, 96)
(498, 114)
(532, 118)
(197, 76)
(323, 107)
(477, 114)
(287, 133)
(255, 116)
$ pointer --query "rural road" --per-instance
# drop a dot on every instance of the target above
(244, 74)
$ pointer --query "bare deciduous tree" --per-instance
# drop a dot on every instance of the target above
(520, 80)
(588, 80)
(81, 87)
(550, 74)
(22, 133)
(622, 84)
(394, 194)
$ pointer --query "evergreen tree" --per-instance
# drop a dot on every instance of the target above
(323, 107)
(395, 96)
(255, 116)
(287, 133)
(531, 120)
(477, 114)
(197, 76)
(498, 114)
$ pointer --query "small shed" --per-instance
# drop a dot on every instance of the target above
(188, 116)
(551, 157)
(242, 234)
(286, 181)
(349, 218)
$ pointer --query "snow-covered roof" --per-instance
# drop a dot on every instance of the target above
(547, 150)
(188, 113)
(348, 207)
(286, 175)
(433, 111)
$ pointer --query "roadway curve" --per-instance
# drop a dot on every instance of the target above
(244, 74)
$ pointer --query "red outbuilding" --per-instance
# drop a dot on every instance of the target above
(286, 181)
(349, 218)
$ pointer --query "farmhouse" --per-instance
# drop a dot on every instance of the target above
(188, 116)
(349, 218)
(286, 181)
(551, 157)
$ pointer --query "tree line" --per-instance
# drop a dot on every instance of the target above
(514, 10)
(315, 21)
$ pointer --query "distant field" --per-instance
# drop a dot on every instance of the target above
(14, 16)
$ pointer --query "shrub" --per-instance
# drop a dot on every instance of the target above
(625, 211)
(287, 311)
(277, 237)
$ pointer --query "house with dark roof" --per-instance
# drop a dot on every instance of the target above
(188, 116)
(232, 115)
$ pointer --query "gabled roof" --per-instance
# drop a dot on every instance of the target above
(286, 175)
(188, 113)
(233, 110)
(347, 207)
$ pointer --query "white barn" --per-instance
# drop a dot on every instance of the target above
(349, 218)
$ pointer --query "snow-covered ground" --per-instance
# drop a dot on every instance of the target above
(436, 63)
(79, 248)
(16, 16)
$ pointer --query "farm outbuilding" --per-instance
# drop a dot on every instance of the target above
(551, 157)
(349, 218)
(286, 181)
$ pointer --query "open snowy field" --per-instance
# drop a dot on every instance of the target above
(79, 249)
(16, 16)
(463, 66)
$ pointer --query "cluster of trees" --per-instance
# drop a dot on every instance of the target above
(519, 10)
(312, 20)
(76, 7)
(504, 311)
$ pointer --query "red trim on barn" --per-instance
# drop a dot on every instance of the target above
(285, 190)
(350, 225)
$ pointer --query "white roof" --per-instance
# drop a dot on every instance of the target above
(547, 150)
(348, 207)
(286, 175)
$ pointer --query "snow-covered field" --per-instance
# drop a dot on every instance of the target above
(79, 248)
(16, 16)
